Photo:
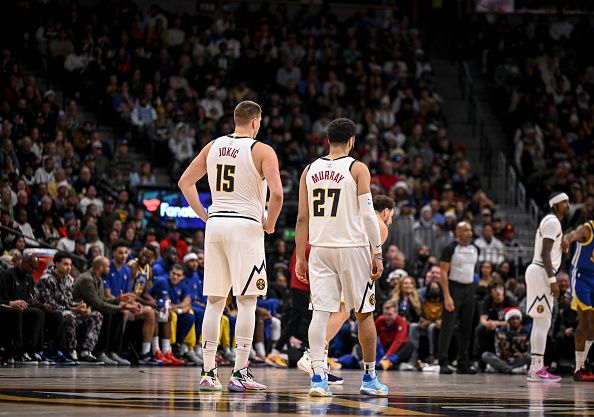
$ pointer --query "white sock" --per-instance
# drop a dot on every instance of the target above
(317, 339)
(84, 353)
(166, 346)
(209, 352)
(536, 362)
(274, 351)
(183, 349)
(326, 359)
(210, 330)
(198, 349)
(146, 347)
(580, 358)
(260, 350)
(275, 329)
(155, 344)
(242, 352)
(244, 330)
(370, 368)
(588, 346)
(538, 341)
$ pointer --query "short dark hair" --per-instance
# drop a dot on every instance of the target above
(60, 255)
(381, 202)
(119, 243)
(245, 111)
(341, 130)
(497, 282)
(177, 266)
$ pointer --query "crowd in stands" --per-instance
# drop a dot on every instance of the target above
(542, 72)
(167, 84)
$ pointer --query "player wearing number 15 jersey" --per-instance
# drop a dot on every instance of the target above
(239, 169)
(336, 214)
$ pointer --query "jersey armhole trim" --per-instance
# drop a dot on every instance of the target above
(351, 165)
(253, 144)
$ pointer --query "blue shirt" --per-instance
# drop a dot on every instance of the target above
(582, 261)
(160, 270)
(118, 280)
(163, 289)
(194, 284)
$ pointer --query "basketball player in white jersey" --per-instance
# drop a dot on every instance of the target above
(239, 169)
(384, 210)
(541, 284)
(336, 214)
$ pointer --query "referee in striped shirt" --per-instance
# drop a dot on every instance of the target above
(458, 262)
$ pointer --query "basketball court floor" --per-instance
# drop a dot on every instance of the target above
(148, 392)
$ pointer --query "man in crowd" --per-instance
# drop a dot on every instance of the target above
(55, 289)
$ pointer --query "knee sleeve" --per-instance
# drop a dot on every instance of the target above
(275, 329)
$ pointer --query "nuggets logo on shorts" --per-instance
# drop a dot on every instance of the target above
(372, 299)
(260, 284)
(540, 309)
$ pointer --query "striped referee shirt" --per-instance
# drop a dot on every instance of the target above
(462, 260)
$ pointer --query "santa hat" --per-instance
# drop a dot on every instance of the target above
(512, 312)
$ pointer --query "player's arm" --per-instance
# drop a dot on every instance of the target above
(184, 306)
(383, 231)
(362, 177)
(581, 234)
(271, 173)
(147, 300)
(302, 229)
(187, 183)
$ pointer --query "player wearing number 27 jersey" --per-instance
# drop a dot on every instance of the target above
(337, 216)
(239, 170)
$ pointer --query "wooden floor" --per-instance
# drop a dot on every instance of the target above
(148, 392)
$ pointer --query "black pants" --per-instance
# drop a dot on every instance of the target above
(54, 330)
(484, 341)
(464, 305)
(298, 318)
(112, 331)
(23, 329)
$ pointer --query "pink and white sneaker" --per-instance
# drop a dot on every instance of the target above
(243, 380)
(543, 375)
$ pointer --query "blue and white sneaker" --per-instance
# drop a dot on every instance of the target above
(319, 387)
(334, 379)
(373, 387)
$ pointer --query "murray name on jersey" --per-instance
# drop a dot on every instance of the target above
(327, 176)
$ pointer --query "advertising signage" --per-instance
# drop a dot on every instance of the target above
(163, 205)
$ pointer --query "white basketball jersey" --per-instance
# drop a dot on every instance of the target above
(334, 218)
(236, 186)
(549, 228)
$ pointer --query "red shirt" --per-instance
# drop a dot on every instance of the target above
(295, 283)
(182, 247)
(394, 336)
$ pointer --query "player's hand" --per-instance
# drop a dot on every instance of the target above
(449, 303)
(268, 227)
(128, 297)
(377, 268)
(565, 245)
(18, 304)
(301, 271)
(555, 290)
(569, 332)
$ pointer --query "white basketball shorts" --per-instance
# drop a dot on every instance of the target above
(539, 301)
(234, 257)
(341, 271)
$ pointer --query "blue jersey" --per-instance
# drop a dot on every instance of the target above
(194, 284)
(582, 262)
(118, 280)
(142, 280)
(163, 289)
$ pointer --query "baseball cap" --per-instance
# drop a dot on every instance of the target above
(190, 257)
